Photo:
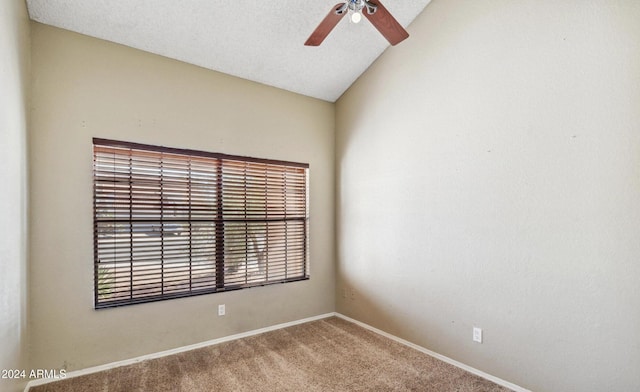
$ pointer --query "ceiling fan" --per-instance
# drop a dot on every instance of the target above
(373, 10)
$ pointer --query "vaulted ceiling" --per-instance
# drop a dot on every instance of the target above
(262, 41)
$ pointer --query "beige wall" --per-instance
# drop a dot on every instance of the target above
(14, 92)
(84, 88)
(489, 175)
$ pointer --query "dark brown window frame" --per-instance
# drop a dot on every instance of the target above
(221, 218)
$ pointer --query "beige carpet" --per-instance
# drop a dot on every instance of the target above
(326, 355)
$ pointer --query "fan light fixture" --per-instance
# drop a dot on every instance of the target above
(373, 10)
(356, 17)
(355, 7)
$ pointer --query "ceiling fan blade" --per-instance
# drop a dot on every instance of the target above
(386, 24)
(328, 23)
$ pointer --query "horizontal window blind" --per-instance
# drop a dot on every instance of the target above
(171, 223)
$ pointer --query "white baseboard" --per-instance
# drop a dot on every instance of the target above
(448, 360)
(165, 353)
(113, 365)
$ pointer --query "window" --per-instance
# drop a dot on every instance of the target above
(171, 223)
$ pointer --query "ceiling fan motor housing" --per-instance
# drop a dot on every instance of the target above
(357, 6)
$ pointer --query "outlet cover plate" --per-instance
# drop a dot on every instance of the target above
(477, 334)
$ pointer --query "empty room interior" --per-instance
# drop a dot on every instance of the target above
(470, 194)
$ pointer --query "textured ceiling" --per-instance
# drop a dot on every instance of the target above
(256, 40)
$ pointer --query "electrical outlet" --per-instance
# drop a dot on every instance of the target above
(344, 293)
(221, 310)
(477, 334)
